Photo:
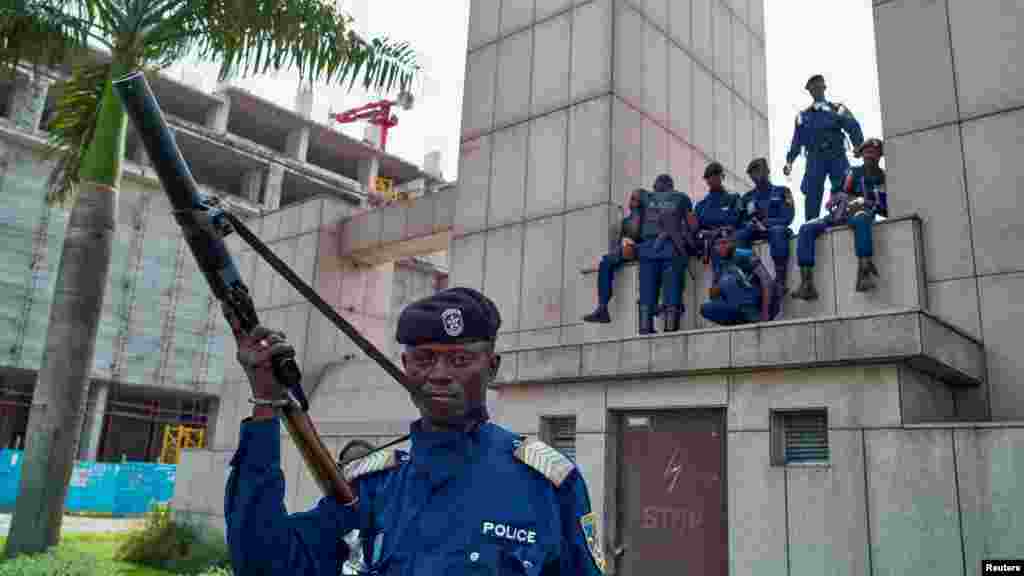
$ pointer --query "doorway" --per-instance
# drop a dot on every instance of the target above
(672, 500)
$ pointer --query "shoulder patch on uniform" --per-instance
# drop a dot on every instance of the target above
(376, 462)
(588, 523)
(546, 460)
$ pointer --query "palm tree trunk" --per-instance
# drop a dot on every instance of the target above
(57, 403)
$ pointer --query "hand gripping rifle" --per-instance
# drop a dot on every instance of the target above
(205, 225)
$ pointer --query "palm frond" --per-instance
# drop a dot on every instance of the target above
(310, 36)
(72, 127)
(43, 32)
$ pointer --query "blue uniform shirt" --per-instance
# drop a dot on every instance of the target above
(719, 208)
(654, 204)
(871, 188)
(459, 503)
(740, 285)
(773, 203)
(819, 129)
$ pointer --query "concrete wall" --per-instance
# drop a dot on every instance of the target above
(618, 92)
(896, 498)
(951, 106)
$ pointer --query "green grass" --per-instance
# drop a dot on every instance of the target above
(102, 548)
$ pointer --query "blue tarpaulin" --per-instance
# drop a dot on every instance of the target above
(117, 489)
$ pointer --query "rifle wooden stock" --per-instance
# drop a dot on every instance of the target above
(204, 226)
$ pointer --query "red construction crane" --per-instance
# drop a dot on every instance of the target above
(377, 113)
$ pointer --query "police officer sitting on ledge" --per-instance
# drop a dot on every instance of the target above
(860, 200)
(746, 290)
(622, 249)
(717, 213)
(767, 214)
(429, 511)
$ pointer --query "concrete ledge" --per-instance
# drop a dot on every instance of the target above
(897, 255)
(896, 335)
(420, 225)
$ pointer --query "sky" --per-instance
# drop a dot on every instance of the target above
(796, 49)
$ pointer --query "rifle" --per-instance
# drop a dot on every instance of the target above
(205, 225)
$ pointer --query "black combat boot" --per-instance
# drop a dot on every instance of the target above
(646, 320)
(672, 316)
(864, 280)
(599, 316)
(806, 291)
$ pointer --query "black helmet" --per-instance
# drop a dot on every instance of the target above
(713, 169)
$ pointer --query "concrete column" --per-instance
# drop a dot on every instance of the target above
(304, 101)
(298, 143)
(217, 117)
(93, 428)
(371, 134)
(432, 163)
(252, 184)
(27, 101)
(272, 192)
(368, 169)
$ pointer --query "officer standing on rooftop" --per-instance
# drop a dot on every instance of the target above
(820, 132)
(430, 511)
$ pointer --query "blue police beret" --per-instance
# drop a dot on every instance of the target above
(450, 316)
(713, 169)
(663, 183)
(756, 163)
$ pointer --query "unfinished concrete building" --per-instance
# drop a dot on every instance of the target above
(873, 433)
(160, 353)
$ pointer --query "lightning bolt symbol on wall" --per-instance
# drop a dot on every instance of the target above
(673, 469)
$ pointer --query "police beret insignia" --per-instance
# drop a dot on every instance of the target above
(452, 319)
(546, 460)
(376, 462)
(588, 522)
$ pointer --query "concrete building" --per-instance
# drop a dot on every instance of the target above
(160, 354)
(873, 433)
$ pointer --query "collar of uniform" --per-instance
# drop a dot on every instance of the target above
(425, 441)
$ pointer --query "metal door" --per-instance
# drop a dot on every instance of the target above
(671, 494)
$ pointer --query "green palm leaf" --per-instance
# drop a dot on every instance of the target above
(72, 127)
(310, 36)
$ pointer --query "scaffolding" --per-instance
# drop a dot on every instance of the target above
(177, 438)
(160, 327)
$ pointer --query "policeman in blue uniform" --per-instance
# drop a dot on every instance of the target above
(664, 250)
(859, 201)
(746, 290)
(820, 132)
(429, 511)
(720, 212)
(621, 249)
(767, 214)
